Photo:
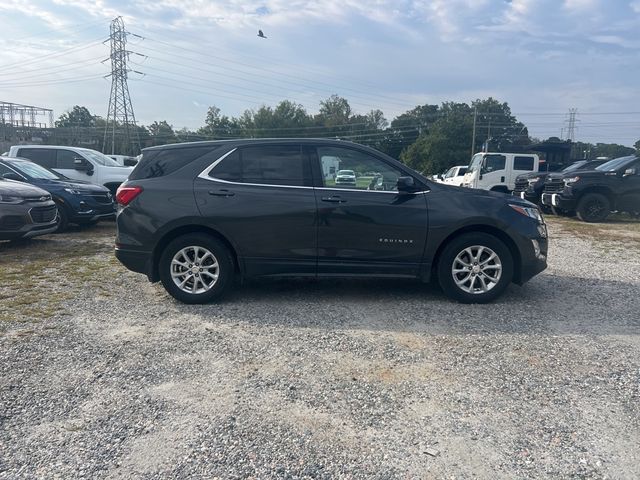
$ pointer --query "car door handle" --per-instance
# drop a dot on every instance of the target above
(221, 193)
(333, 199)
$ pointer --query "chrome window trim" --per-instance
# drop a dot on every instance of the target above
(205, 176)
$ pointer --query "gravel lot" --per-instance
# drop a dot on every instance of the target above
(103, 375)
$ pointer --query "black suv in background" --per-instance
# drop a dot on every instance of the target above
(530, 186)
(195, 216)
(593, 194)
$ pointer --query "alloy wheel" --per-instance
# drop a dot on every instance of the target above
(476, 269)
(194, 270)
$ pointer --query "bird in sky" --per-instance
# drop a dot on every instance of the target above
(260, 34)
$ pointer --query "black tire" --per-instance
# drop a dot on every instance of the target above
(225, 269)
(456, 247)
(63, 219)
(593, 208)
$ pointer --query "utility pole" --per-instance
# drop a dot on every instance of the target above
(473, 140)
(121, 122)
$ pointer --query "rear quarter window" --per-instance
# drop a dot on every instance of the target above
(159, 163)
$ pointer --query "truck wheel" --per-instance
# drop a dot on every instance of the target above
(196, 268)
(475, 268)
(593, 207)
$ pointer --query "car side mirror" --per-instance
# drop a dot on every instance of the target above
(128, 162)
(629, 171)
(12, 176)
(406, 185)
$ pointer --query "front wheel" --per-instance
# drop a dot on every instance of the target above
(196, 268)
(475, 268)
(593, 207)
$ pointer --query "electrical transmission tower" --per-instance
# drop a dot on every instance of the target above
(571, 129)
(121, 131)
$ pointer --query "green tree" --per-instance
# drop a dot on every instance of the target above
(334, 111)
(498, 128)
(218, 125)
(407, 127)
(161, 133)
(76, 117)
(445, 144)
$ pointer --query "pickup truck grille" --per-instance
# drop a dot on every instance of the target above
(554, 185)
(521, 186)
(43, 214)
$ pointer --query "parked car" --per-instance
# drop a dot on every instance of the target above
(78, 202)
(125, 160)
(593, 194)
(498, 171)
(76, 163)
(25, 211)
(195, 216)
(453, 176)
(529, 186)
(346, 177)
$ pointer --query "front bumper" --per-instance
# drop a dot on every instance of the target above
(559, 201)
(27, 220)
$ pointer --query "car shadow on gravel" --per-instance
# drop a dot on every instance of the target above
(548, 304)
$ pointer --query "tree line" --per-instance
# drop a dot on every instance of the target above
(429, 138)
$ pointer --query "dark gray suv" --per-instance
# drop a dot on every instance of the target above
(25, 211)
(196, 216)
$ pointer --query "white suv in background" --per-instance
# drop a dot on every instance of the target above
(498, 171)
(76, 163)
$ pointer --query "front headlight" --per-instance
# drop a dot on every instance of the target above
(567, 181)
(533, 181)
(531, 212)
(11, 199)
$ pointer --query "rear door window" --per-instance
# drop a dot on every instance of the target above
(523, 163)
(42, 156)
(266, 165)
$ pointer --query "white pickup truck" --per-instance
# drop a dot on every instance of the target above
(76, 163)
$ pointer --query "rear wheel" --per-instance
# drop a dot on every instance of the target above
(593, 207)
(475, 268)
(196, 268)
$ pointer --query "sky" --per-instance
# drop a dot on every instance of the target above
(543, 57)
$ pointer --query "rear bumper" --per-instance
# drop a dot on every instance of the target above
(135, 260)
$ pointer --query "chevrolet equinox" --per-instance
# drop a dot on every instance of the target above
(196, 216)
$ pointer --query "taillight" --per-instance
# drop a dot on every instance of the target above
(125, 195)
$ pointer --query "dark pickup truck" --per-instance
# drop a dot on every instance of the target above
(530, 186)
(593, 194)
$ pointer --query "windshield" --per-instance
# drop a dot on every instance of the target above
(615, 164)
(573, 166)
(34, 170)
(346, 172)
(100, 158)
(476, 161)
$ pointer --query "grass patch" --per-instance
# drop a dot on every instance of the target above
(618, 231)
(37, 277)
